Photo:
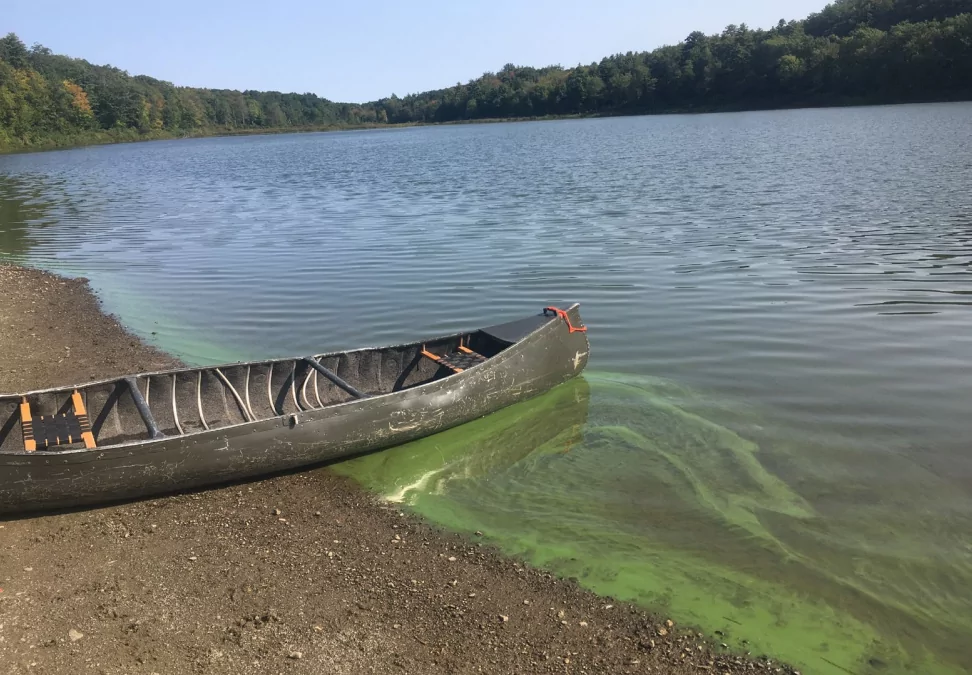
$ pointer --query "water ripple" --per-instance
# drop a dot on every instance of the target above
(815, 262)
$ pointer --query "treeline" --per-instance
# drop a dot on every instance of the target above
(853, 51)
(49, 99)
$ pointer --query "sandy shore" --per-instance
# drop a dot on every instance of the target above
(303, 573)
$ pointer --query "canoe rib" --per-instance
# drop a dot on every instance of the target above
(246, 387)
(175, 408)
(199, 406)
(236, 394)
(317, 391)
(308, 404)
(273, 406)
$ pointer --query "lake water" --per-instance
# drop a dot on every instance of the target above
(772, 439)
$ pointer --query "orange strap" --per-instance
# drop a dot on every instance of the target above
(82, 415)
(563, 315)
(438, 359)
(28, 426)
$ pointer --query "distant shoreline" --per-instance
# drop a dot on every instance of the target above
(131, 136)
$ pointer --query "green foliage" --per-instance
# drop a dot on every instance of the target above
(46, 100)
(872, 51)
(13, 51)
(852, 51)
(844, 16)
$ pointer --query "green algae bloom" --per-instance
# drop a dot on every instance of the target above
(629, 485)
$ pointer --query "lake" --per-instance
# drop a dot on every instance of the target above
(772, 438)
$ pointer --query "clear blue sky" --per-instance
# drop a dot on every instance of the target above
(359, 51)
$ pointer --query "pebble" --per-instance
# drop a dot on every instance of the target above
(669, 623)
(75, 635)
(504, 618)
(277, 512)
(193, 558)
(583, 624)
(452, 558)
(295, 655)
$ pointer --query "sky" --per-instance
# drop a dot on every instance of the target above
(360, 51)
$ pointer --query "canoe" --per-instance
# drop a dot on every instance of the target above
(160, 432)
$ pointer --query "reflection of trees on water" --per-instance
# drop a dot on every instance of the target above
(27, 203)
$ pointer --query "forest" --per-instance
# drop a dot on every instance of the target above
(851, 52)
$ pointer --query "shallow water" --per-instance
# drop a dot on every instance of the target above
(772, 438)
(685, 518)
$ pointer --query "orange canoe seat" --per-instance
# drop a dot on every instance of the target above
(48, 431)
(457, 361)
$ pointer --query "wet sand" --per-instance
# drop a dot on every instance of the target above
(302, 573)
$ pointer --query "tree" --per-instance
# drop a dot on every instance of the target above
(13, 51)
(789, 68)
(81, 114)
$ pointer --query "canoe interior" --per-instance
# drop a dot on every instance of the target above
(195, 400)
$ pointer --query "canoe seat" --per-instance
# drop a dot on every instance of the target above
(456, 361)
(66, 428)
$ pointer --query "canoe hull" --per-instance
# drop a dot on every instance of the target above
(542, 360)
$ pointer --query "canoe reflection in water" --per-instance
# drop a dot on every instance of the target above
(511, 440)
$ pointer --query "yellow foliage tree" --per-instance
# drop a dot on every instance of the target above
(79, 99)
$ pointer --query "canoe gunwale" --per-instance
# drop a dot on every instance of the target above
(375, 400)
(233, 364)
